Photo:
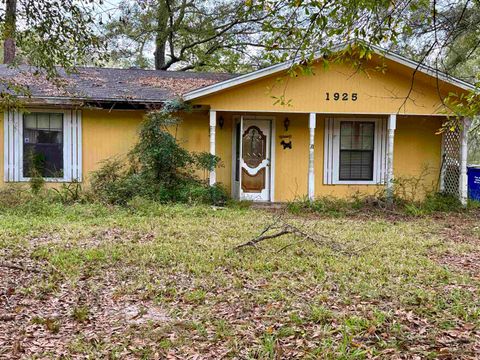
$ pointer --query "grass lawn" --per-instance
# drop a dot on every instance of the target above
(151, 281)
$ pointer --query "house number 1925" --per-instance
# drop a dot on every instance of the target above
(341, 96)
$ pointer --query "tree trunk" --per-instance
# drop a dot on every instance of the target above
(9, 32)
(161, 39)
(159, 54)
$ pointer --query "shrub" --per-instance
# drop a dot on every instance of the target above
(204, 194)
(69, 193)
(37, 183)
(161, 158)
(325, 205)
(432, 203)
(114, 184)
(157, 168)
(206, 161)
(333, 206)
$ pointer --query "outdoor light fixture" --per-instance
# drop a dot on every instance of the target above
(221, 121)
(286, 123)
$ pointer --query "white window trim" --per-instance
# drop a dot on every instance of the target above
(72, 145)
(332, 152)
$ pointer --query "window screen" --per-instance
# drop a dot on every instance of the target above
(356, 150)
(43, 145)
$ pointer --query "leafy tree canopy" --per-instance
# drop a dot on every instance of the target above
(46, 34)
(186, 34)
(50, 33)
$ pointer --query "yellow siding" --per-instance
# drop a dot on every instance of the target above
(417, 152)
(107, 134)
(416, 147)
(332, 190)
(291, 165)
(378, 93)
(223, 141)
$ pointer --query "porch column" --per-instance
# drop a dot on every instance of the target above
(463, 181)
(392, 125)
(213, 124)
(311, 165)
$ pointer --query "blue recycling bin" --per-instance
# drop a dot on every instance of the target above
(473, 173)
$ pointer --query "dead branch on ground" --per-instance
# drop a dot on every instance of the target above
(280, 227)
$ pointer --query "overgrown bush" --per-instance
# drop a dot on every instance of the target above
(412, 196)
(411, 189)
(434, 202)
(158, 168)
(362, 204)
(327, 205)
(69, 193)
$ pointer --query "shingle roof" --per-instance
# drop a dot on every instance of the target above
(108, 84)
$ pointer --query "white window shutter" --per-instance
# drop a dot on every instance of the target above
(12, 150)
(328, 152)
(72, 149)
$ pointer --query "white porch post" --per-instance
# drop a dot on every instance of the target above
(311, 165)
(463, 181)
(213, 124)
(392, 125)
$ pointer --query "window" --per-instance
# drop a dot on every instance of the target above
(43, 145)
(356, 150)
(47, 143)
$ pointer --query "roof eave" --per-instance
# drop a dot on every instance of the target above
(59, 100)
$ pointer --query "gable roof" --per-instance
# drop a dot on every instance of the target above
(110, 85)
(270, 70)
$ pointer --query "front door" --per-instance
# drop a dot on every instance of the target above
(254, 163)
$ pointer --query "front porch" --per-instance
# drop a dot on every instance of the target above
(280, 156)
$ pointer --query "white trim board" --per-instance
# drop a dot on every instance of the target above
(242, 79)
(274, 112)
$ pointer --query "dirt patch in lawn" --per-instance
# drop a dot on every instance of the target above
(468, 263)
(460, 229)
(95, 238)
(39, 317)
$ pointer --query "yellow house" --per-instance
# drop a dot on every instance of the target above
(337, 132)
